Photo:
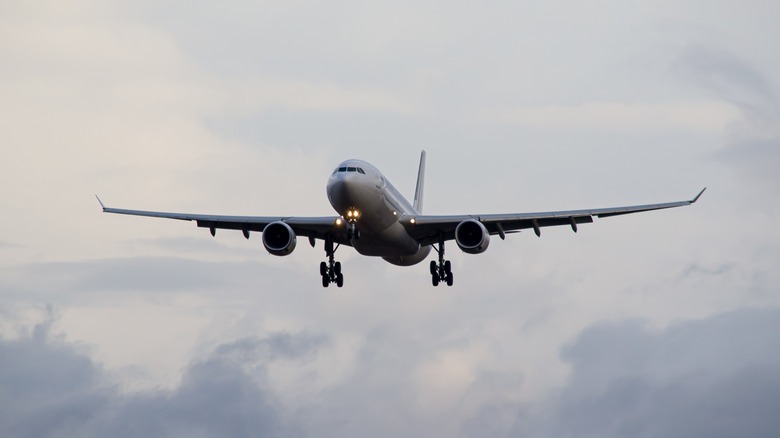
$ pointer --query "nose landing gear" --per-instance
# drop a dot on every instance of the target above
(441, 272)
(331, 271)
(353, 232)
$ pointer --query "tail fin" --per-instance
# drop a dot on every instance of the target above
(418, 193)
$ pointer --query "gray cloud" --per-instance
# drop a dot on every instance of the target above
(46, 385)
(713, 377)
(754, 145)
(278, 345)
(192, 244)
(718, 376)
(730, 76)
(139, 274)
(52, 388)
(696, 269)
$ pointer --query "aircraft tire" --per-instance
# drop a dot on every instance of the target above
(447, 266)
(323, 269)
(434, 270)
(339, 280)
(435, 279)
(325, 281)
(450, 279)
(337, 268)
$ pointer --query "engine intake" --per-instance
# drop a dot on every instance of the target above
(279, 239)
(472, 237)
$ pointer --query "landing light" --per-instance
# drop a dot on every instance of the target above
(338, 221)
(353, 215)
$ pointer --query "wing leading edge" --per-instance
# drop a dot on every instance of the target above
(428, 229)
(311, 227)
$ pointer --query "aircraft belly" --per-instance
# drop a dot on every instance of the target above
(421, 255)
(393, 241)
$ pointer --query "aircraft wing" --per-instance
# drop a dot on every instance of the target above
(428, 229)
(311, 227)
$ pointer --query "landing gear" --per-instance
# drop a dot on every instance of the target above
(353, 232)
(331, 271)
(441, 271)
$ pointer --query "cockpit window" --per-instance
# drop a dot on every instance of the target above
(349, 169)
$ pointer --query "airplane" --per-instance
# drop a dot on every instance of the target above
(376, 220)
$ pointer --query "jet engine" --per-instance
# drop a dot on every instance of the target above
(279, 238)
(472, 237)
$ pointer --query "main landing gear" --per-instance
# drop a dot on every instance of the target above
(331, 271)
(441, 272)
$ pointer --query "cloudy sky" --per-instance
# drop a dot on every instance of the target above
(658, 324)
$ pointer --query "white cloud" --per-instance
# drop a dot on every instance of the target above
(708, 116)
(443, 379)
(285, 94)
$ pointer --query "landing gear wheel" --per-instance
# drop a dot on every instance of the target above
(331, 270)
(441, 272)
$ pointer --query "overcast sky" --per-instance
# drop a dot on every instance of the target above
(658, 324)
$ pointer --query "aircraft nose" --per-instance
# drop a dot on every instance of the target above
(341, 190)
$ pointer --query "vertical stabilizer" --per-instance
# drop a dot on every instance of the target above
(418, 192)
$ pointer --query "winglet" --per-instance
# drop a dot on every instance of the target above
(697, 196)
(101, 203)
(418, 193)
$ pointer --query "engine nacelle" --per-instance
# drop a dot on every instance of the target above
(278, 238)
(472, 237)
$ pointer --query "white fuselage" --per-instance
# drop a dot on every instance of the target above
(357, 186)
